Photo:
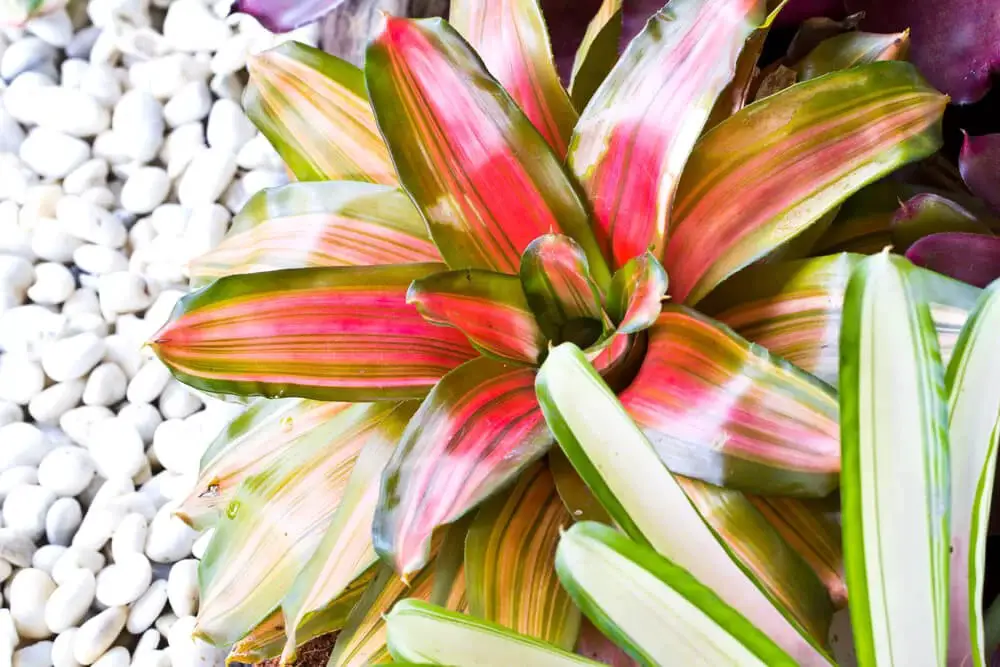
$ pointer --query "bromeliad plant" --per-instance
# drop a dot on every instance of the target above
(474, 265)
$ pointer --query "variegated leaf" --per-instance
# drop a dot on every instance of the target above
(597, 53)
(637, 290)
(850, 50)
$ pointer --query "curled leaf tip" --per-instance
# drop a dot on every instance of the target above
(285, 15)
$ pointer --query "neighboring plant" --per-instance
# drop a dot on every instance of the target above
(15, 13)
(474, 266)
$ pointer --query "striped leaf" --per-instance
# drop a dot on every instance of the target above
(720, 409)
(850, 50)
(490, 308)
(313, 109)
(339, 223)
(808, 528)
(267, 640)
(345, 553)
(894, 485)
(637, 289)
(973, 429)
(562, 294)
(342, 333)
(278, 518)
(653, 608)
(487, 183)
(793, 309)
(792, 157)
(649, 112)
(419, 631)
(511, 38)
(251, 444)
(642, 496)
(509, 554)
(577, 498)
(597, 53)
(473, 434)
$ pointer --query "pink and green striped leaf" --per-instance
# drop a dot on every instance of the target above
(895, 482)
(562, 294)
(15, 13)
(337, 223)
(473, 434)
(792, 157)
(636, 294)
(850, 50)
(793, 309)
(345, 552)
(342, 333)
(650, 504)
(973, 429)
(313, 108)
(513, 41)
(490, 308)
(509, 553)
(487, 183)
(597, 53)
(278, 518)
(251, 444)
(721, 409)
(635, 135)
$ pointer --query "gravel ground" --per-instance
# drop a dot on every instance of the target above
(123, 154)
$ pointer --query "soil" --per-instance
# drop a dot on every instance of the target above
(314, 654)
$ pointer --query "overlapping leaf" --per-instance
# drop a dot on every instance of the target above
(513, 41)
(485, 180)
(792, 157)
(645, 499)
(974, 428)
(654, 609)
(970, 258)
(342, 333)
(285, 15)
(637, 289)
(850, 50)
(490, 308)
(979, 163)
(894, 486)
(597, 53)
(278, 518)
(725, 411)
(578, 499)
(649, 112)
(313, 108)
(338, 223)
(472, 435)
(509, 568)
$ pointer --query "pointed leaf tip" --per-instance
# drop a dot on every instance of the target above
(285, 15)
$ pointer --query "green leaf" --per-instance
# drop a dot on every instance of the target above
(850, 50)
(654, 609)
(637, 290)
(642, 496)
(597, 54)
(974, 427)
(422, 631)
(579, 501)
(894, 484)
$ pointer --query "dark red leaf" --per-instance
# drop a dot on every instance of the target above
(971, 258)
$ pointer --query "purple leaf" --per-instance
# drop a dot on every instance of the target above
(797, 11)
(979, 163)
(956, 43)
(285, 15)
(971, 258)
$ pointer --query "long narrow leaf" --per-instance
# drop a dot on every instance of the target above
(850, 50)
(319, 224)
(717, 408)
(578, 499)
(894, 486)
(654, 609)
(643, 497)
(342, 333)
(488, 184)
(509, 569)
(974, 427)
(791, 157)
(473, 434)
(597, 53)
(635, 135)
(313, 108)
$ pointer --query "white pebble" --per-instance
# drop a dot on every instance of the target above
(145, 189)
(14, 477)
(190, 26)
(25, 55)
(205, 229)
(51, 404)
(61, 109)
(147, 608)
(62, 521)
(29, 591)
(62, 649)
(10, 412)
(122, 292)
(79, 422)
(165, 622)
(16, 548)
(53, 154)
(125, 581)
(72, 357)
(123, 353)
(164, 77)
(177, 401)
(185, 649)
(105, 386)
(228, 127)
(130, 536)
(46, 556)
(98, 259)
(25, 507)
(27, 330)
(66, 471)
(201, 544)
(116, 657)
(227, 85)
(182, 587)
(98, 634)
(100, 82)
(77, 558)
(91, 173)
(20, 378)
(117, 448)
(68, 605)
(144, 417)
(16, 273)
(53, 284)
(8, 635)
(148, 383)
(206, 177)
(191, 103)
(49, 241)
(53, 28)
(138, 122)
(181, 146)
(170, 539)
(38, 654)
(89, 222)
(11, 133)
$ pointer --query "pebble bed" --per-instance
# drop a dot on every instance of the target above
(124, 153)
